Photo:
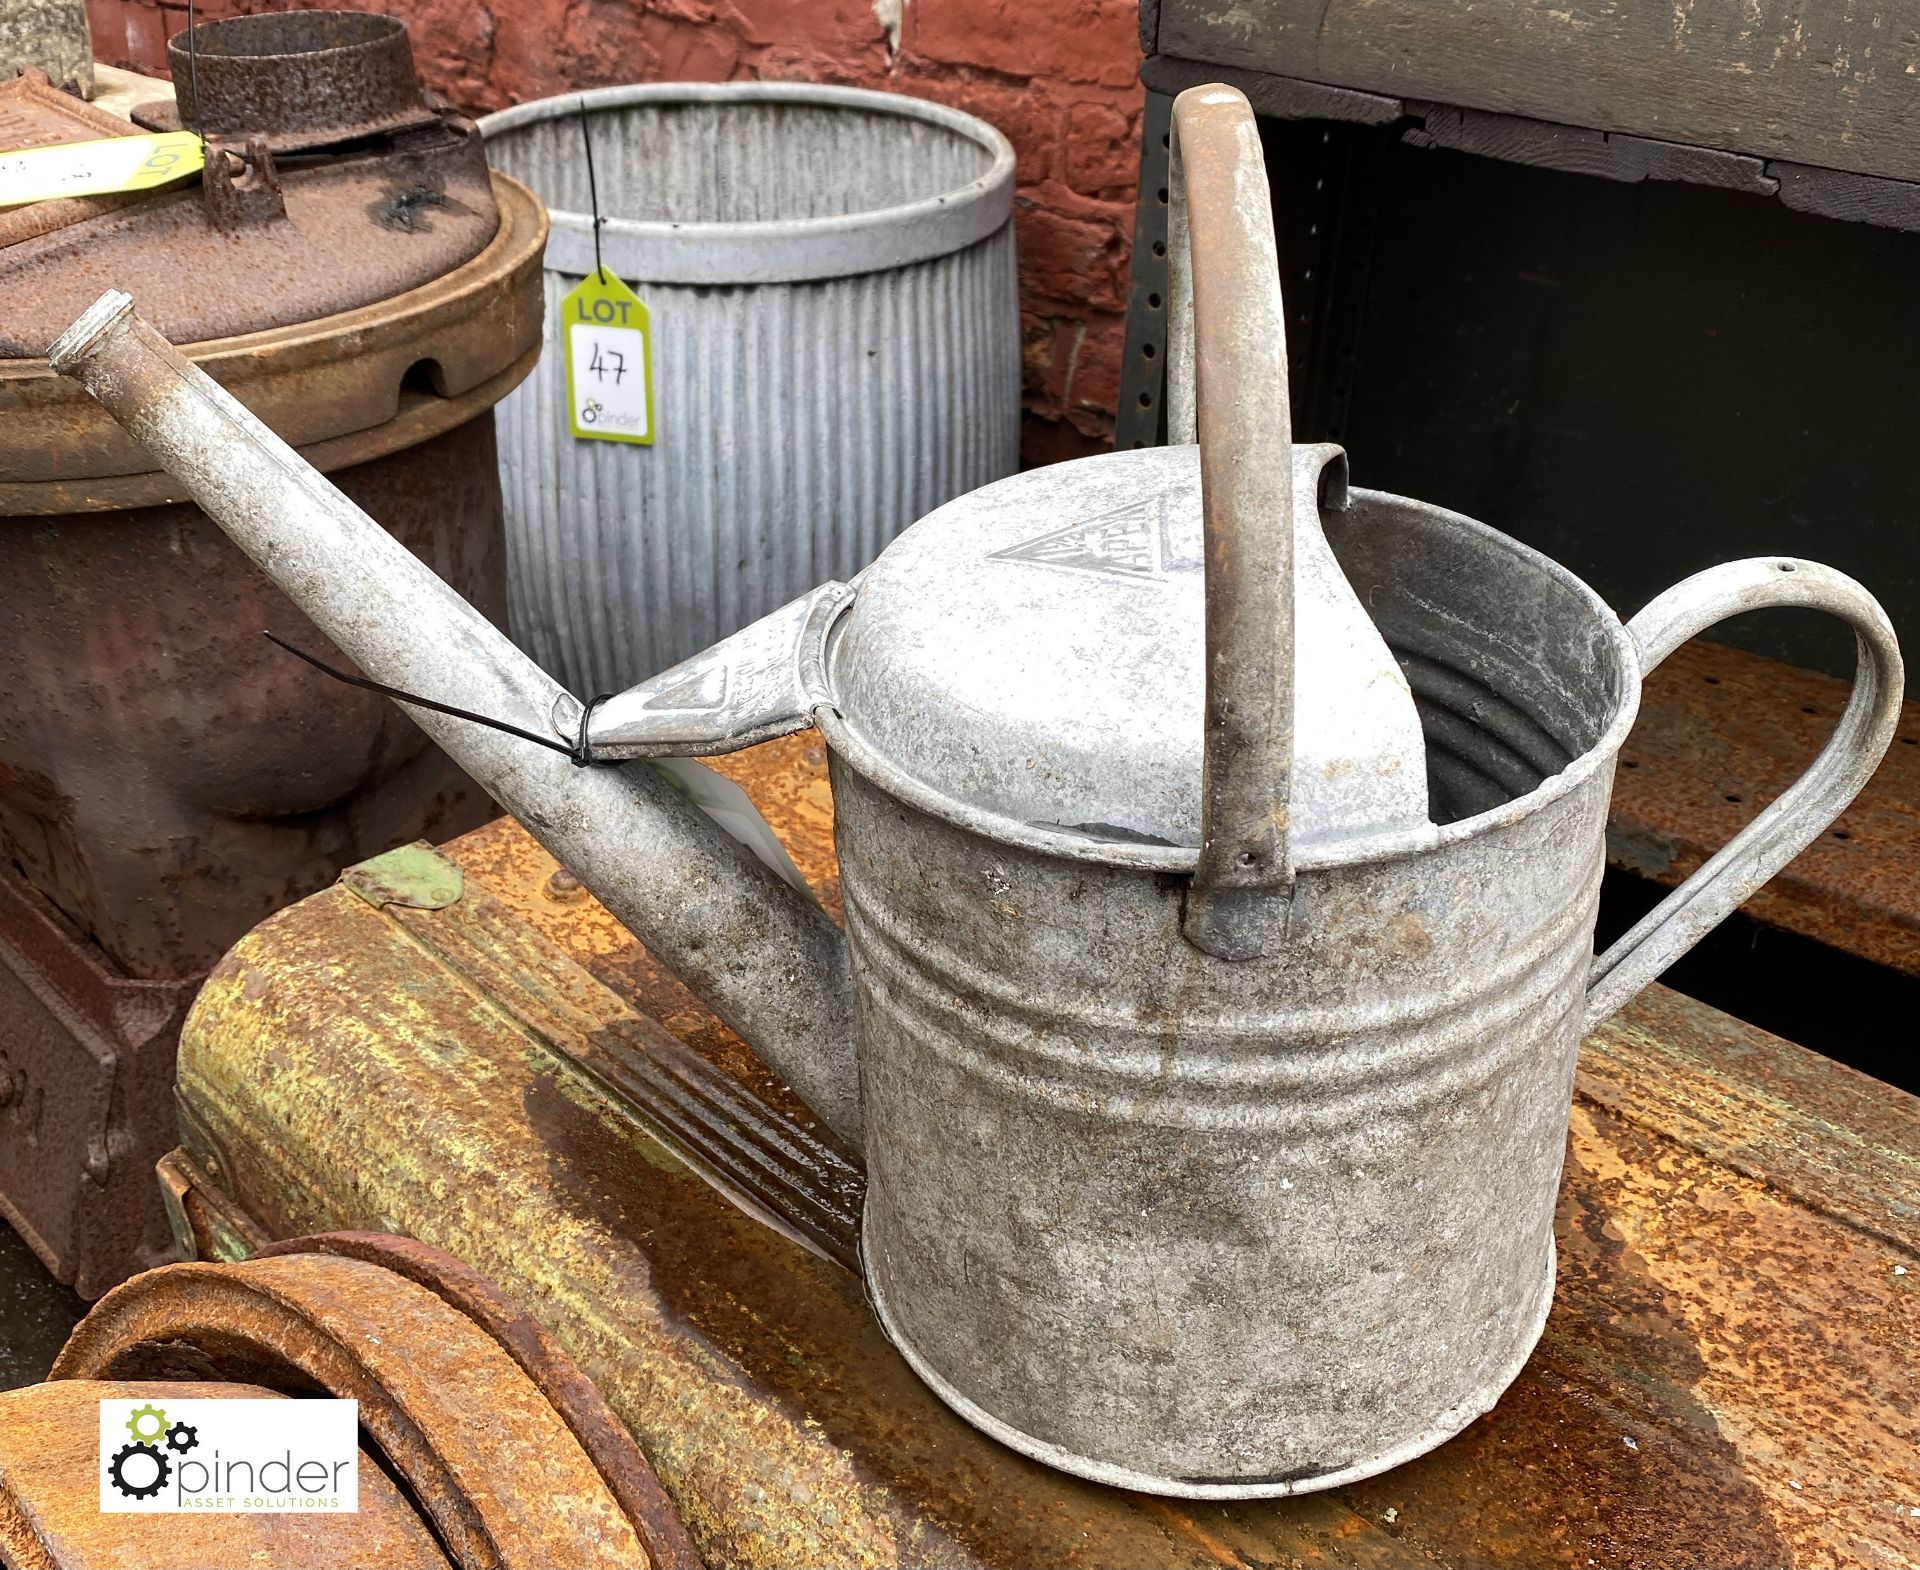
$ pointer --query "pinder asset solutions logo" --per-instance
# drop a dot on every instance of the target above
(210, 1453)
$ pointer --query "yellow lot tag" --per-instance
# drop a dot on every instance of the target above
(120, 163)
(607, 341)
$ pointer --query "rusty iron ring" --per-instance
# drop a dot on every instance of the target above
(343, 389)
(608, 1443)
(490, 1461)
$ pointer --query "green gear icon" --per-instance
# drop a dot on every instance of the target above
(144, 1434)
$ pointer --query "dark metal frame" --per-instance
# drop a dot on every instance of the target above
(1140, 421)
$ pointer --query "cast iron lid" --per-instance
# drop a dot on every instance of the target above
(331, 184)
(1035, 652)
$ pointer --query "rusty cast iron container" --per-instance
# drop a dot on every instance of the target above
(166, 778)
(1213, 976)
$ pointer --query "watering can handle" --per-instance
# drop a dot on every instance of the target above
(1227, 386)
(1801, 812)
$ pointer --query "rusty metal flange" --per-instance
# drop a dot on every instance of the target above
(489, 1459)
(344, 389)
(300, 78)
(574, 1396)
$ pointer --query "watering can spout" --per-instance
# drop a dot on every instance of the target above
(758, 952)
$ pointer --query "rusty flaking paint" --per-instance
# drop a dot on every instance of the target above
(489, 1460)
(206, 1223)
(1721, 733)
(50, 1515)
(1730, 1233)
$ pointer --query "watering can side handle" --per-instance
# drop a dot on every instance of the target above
(1228, 378)
(1799, 815)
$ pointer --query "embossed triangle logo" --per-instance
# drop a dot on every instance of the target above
(1129, 542)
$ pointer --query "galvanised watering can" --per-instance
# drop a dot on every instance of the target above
(1221, 847)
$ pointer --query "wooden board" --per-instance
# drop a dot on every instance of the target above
(1831, 84)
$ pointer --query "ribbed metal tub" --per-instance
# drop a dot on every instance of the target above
(830, 279)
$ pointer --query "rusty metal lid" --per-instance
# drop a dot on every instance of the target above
(343, 389)
(386, 193)
(311, 242)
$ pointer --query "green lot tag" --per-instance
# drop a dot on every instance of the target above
(120, 163)
(608, 347)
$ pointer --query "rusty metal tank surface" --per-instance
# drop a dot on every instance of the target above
(1220, 847)
(351, 270)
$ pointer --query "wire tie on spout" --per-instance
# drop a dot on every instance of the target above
(580, 752)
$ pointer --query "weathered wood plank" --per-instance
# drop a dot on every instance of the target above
(1610, 156)
(1856, 198)
(1829, 85)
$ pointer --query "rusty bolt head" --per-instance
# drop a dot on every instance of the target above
(563, 885)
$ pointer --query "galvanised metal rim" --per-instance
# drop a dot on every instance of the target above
(791, 250)
(1454, 1419)
(879, 770)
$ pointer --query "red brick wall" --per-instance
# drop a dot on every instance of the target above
(1058, 78)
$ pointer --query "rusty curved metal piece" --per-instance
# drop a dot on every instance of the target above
(50, 1515)
(490, 1461)
(608, 1444)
